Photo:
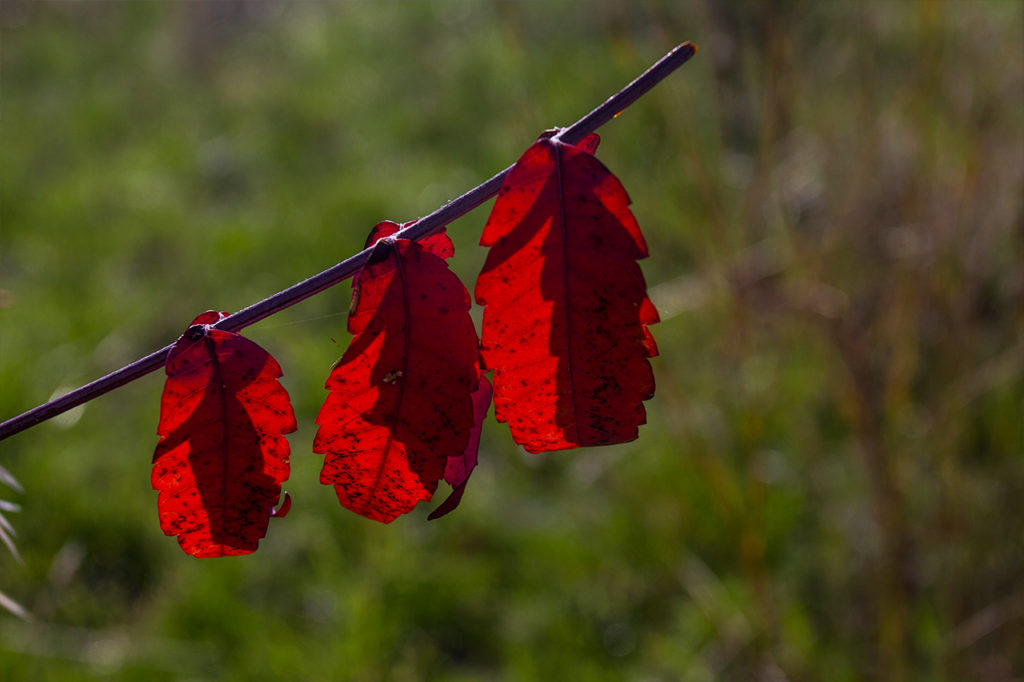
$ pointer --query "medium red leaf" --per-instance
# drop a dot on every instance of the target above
(459, 467)
(565, 327)
(399, 402)
(222, 454)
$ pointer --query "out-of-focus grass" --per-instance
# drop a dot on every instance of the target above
(830, 483)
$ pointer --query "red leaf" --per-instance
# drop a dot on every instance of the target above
(286, 506)
(459, 467)
(222, 455)
(399, 402)
(565, 323)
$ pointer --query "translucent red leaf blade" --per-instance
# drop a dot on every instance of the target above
(399, 402)
(565, 323)
(222, 454)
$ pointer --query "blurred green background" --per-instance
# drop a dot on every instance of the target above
(831, 483)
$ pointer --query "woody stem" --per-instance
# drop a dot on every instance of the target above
(348, 267)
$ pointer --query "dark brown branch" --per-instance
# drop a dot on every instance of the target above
(345, 269)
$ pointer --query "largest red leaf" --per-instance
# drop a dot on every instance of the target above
(399, 403)
(222, 454)
(566, 305)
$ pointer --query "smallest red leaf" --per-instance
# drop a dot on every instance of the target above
(458, 469)
(286, 506)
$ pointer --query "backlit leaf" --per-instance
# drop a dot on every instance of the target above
(222, 454)
(565, 323)
(399, 403)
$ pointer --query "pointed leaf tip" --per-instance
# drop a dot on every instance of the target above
(286, 506)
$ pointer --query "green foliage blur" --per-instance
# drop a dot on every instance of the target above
(831, 482)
